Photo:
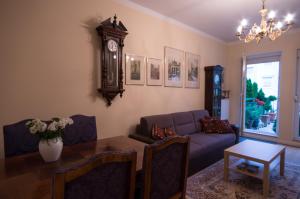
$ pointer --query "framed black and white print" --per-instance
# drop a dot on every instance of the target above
(154, 72)
(192, 73)
(135, 69)
(174, 67)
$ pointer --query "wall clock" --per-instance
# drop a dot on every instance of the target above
(112, 35)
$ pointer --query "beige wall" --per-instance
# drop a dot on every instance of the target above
(288, 45)
(49, 58)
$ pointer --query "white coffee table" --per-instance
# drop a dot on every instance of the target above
(261, 154)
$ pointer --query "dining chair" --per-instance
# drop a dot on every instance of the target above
(18, 140)
(82, 130)
(165, 168)
(109, 175)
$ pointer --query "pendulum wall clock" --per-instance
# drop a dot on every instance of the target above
(112, 35)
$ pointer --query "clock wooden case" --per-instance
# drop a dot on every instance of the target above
(112, 35)
(213, 90)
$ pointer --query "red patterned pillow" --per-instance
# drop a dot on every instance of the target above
(169, 132)
(157, 133)
(208, 125)
(225, 127)
(213, 125)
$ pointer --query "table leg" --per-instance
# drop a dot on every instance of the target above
(282, 161)
(226, 165)
(266, 180)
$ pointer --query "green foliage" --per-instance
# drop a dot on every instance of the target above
(261, 95)
(254, 89)
(251, 89)
(275, 126)
(268, 105)
(272, 98)
(253, 109)
(48, 135)
(252, 114)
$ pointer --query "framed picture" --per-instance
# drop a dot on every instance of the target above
(174, 65)
(192, 73)
(154, 72)
(135, 69)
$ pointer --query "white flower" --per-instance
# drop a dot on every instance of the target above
(70, 121)
(28, 123)
(53, 126)
(63, 122)
(43, 127)
(33, 130)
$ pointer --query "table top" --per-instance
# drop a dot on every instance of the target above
(257, 151)
(28, 176)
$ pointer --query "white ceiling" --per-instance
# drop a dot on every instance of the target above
(219, 18)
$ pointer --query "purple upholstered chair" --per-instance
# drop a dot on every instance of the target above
(18, 140)
(83, 130)
(109, 175)
(165, 168)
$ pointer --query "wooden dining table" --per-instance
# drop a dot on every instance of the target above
(29, 177)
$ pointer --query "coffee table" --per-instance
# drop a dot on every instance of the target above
(263, 155)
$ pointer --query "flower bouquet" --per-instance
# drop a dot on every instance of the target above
(50, 134)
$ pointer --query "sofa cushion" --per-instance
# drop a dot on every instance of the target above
(199, 114)
(184, 123)
(162, 121)
(213, 141)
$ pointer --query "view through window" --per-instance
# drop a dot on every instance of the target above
(261, 98)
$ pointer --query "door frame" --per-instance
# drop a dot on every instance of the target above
(297, 99)
(243, 101)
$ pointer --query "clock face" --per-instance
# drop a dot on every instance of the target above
(217, 79)
(112, 45)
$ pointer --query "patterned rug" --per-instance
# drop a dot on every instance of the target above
(209, 184)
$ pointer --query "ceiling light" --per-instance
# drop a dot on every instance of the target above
(272, 14)
(269, 27)
(289, 18)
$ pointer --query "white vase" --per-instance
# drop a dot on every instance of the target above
(50, 150)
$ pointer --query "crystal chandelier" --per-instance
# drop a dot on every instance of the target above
(269, 26)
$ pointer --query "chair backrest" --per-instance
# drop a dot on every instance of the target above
(82, 130)
(18, 140)
(109, 175)
(165, 168)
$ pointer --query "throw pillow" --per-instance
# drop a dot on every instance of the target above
(225, 127)
(208, 125)
(169, 132)
(157, 133)
(213, 125)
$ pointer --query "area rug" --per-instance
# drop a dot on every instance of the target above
(209, 184)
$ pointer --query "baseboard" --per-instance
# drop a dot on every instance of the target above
(272, 139)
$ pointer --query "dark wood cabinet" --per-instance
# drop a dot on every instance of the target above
(213, 90)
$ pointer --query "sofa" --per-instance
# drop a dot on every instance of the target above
(205, 149)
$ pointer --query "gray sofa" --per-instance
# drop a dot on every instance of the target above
(205, 149)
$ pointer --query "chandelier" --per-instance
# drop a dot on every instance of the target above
(269, 27)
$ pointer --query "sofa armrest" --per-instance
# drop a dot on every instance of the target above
(236, 130)
(141, 138)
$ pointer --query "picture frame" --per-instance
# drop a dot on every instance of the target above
(154, 72)
(134, 69)
(192, 70)
(174, 67)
